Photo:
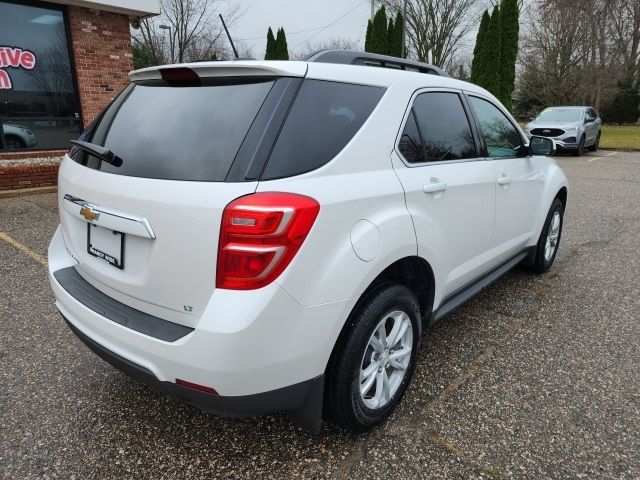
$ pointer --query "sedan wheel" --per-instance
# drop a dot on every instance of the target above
(552, 237)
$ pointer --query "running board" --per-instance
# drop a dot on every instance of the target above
(455, 300)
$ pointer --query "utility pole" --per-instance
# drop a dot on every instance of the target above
(403, 50)
(372, 9)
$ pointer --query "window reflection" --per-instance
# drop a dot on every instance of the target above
(38, 107)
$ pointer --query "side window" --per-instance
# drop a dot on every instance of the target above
(500, 136)
(592, 113)
(444, 129)
(410, 143)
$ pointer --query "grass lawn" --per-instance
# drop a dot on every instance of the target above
(620, 138)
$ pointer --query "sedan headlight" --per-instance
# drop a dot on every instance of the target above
(572, 128)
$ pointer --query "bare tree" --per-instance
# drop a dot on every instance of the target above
(577, 52)
(337, 43)
(438, 29)
(194, 31)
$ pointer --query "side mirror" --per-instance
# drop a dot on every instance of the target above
(542, 146)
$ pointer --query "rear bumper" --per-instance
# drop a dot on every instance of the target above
(260, 350)
(303, 400)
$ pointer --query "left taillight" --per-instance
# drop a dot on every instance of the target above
(259, 236)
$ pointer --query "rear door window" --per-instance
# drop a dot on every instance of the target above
(323, 119)
(180, 132)
(440, 121)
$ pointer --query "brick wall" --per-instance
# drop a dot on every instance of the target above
(101, 44)
(27, 176)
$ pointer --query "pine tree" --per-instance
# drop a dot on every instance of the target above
(396, 42)
(482, 31)
(489, 73)
(624, 107)
(271, 46)
(509, 20)
(390, 32)
(282, 51)
(367, 38)
(379, 40)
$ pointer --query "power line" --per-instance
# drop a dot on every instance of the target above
(330, 24)
(304, 31)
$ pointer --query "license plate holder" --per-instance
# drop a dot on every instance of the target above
(105, 244)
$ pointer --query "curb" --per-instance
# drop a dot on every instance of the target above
(19, 192)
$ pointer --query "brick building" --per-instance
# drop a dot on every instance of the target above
(61, 63)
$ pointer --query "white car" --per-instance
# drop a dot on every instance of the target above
(17, 137)
(257, 236)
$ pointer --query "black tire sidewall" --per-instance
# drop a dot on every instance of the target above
(541, 264)
(348, 409)
(580, 150)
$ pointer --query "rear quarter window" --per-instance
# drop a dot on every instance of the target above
(323, 119)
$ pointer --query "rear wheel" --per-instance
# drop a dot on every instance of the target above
(373, 366)
(595, 146)
(580, 150)
(549, 240)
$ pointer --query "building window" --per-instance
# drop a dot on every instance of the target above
(38, 100)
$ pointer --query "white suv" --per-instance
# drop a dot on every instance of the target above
(258, 236)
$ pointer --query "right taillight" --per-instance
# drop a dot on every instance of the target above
(259, 236)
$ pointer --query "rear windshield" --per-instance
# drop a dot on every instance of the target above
(182, 133)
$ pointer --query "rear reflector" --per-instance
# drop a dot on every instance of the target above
(195, 386)
(259, 236)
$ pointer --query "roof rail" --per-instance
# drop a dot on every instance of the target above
(348, 57)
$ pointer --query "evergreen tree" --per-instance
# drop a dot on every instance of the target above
(282, 51)
(624, 107)
(367, 38)
(509, 20)
(490, 56)
(271, 46)
(142, 56)
(395, 47)
(379, 40)
(482, 32)
(390, 32)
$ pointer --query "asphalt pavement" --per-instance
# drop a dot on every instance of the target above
(538, 377)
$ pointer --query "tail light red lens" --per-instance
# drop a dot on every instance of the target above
(259, 236)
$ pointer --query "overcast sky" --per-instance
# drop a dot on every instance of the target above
(342, 18)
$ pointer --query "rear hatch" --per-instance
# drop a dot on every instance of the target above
(190, 140)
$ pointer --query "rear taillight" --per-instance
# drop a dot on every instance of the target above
(259, 236)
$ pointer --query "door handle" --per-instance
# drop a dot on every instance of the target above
(435, 186)
(504, 181)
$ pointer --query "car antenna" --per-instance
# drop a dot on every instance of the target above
(235, 52)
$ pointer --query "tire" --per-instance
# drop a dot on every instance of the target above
(13, 142)
(543, 260)
(595, 146)
(345, 405)
(580, 150)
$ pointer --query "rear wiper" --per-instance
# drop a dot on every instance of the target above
(99, 152)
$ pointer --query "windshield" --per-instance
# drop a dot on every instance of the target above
(560, 115)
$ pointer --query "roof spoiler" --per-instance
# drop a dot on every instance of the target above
(240, 68)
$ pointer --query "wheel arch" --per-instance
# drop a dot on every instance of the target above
(410, 271)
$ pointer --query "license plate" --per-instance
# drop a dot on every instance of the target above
(106, 245)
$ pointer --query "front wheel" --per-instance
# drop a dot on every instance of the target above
(580, 150)
(549, 240)
(596, 145)
(374, 362)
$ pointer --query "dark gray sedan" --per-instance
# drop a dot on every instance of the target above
(571, 128)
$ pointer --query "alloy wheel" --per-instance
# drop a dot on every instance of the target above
(552, 237)
(386, 359)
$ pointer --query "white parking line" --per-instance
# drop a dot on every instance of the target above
(599, 158)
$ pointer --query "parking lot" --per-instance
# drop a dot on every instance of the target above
(538, 377)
